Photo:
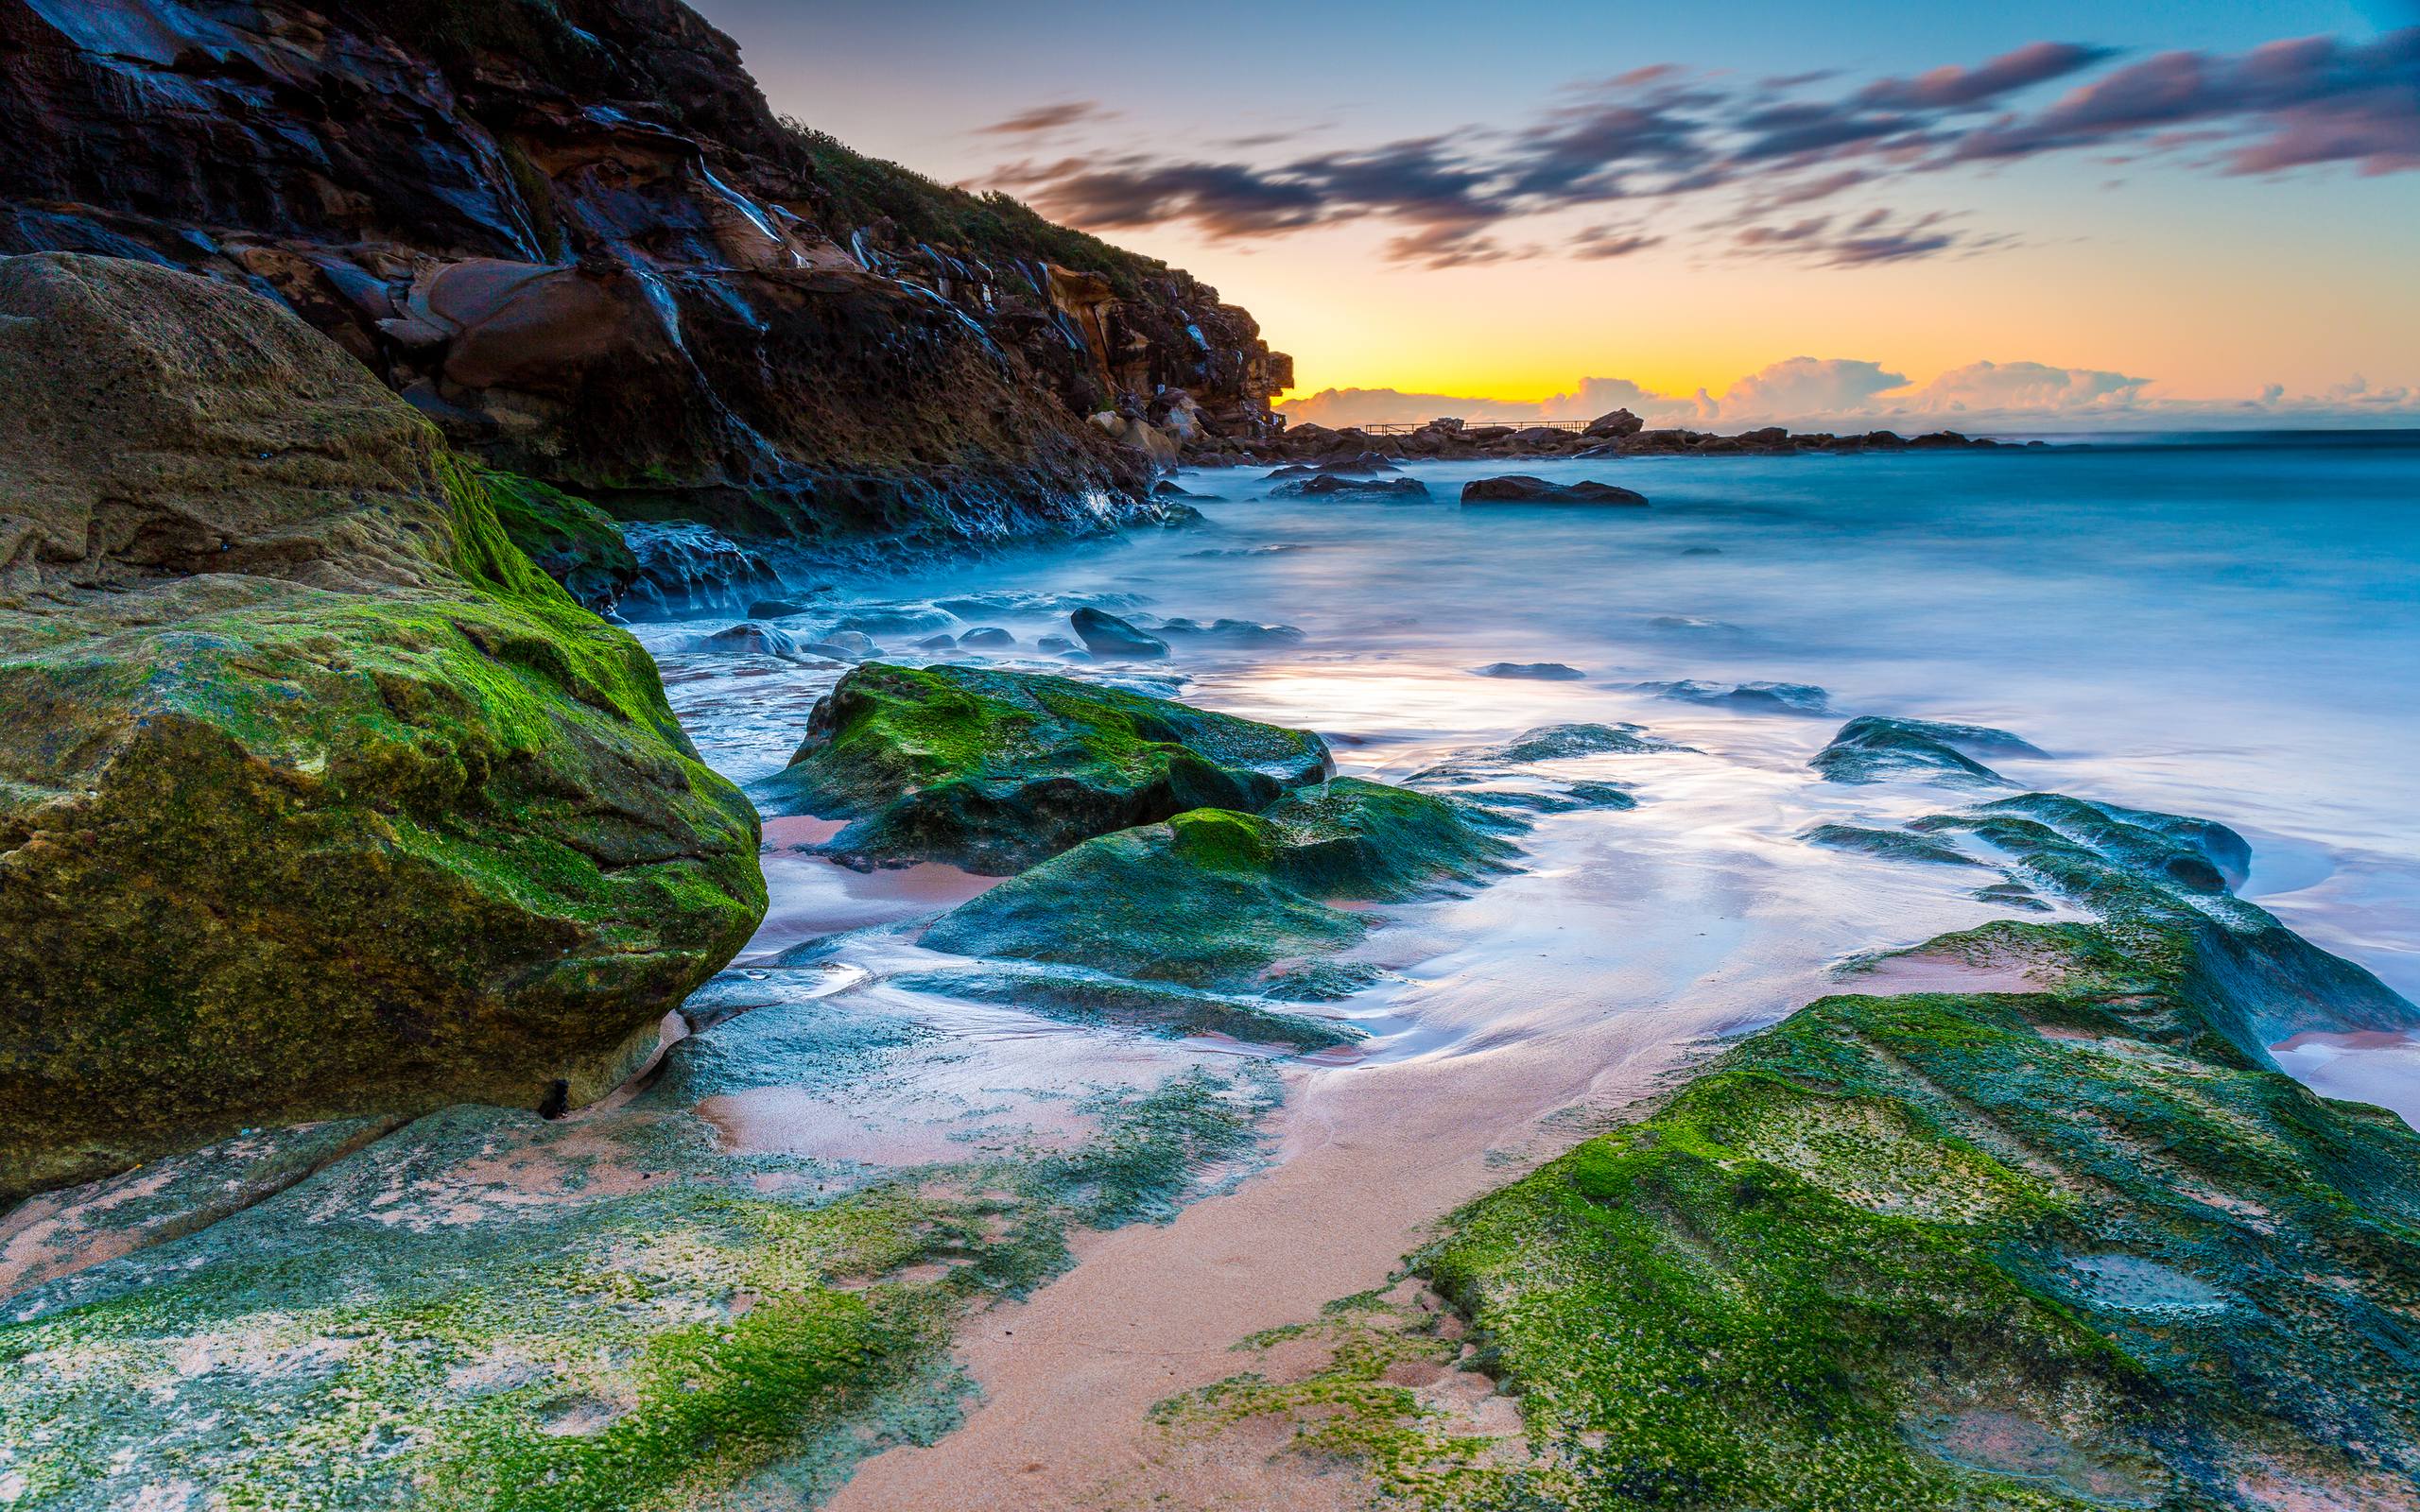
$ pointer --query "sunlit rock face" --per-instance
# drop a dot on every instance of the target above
(575, 237)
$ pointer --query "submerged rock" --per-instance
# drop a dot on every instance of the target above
(994, 770)
(1891, 845)
(1232, 632)
(1086, 998)
(1569, 799)
(1534, 671)
(1214, 898)
(1332, 486)
(1106, 635)
(1871, 748)
(1522, 488)
(1785, 697)
(319, 800)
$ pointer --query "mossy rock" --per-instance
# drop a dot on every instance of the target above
(1214, 898)
(1890, 845)
(994, 771)
(2066, 1250)
(570, 539)
(485, 1310)
(1872, 748)
(2156, 881)
(319, 800)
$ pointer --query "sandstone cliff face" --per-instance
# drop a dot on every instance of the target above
(572, 232)
(316, 798)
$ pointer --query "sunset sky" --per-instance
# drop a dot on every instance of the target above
(2205, 211)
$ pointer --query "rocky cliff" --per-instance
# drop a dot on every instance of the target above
(573, 233)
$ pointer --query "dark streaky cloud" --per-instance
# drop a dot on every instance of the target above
(1043, 118)
(1658, 134)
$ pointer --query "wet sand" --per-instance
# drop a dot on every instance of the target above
(2376, 1066)
(1369, 1159)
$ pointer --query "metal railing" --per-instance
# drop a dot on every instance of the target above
(1407, 427)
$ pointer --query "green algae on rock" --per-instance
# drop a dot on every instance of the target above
(2162, 903)
(1871, 748)
(2080, 1247)
(318, 799)
(1891, 845)
(994, 771)
(570, 539)
(1214, 899)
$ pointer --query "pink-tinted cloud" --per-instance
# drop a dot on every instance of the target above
(1046, 118)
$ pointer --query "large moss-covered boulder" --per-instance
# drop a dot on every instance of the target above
(994, 771)
(1217, 899)
(316, 798)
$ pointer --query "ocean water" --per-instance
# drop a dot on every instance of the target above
(2223, 626)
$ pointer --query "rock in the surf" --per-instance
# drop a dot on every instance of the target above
(1522, 488)
(1329, 486)
(1107, 636)
(994, 770)
(1219, 899)
(1872, 748)
(1531, 671)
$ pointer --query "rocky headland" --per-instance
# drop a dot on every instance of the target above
(575, 237)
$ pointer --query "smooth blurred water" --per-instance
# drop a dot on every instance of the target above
(2224, 626)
